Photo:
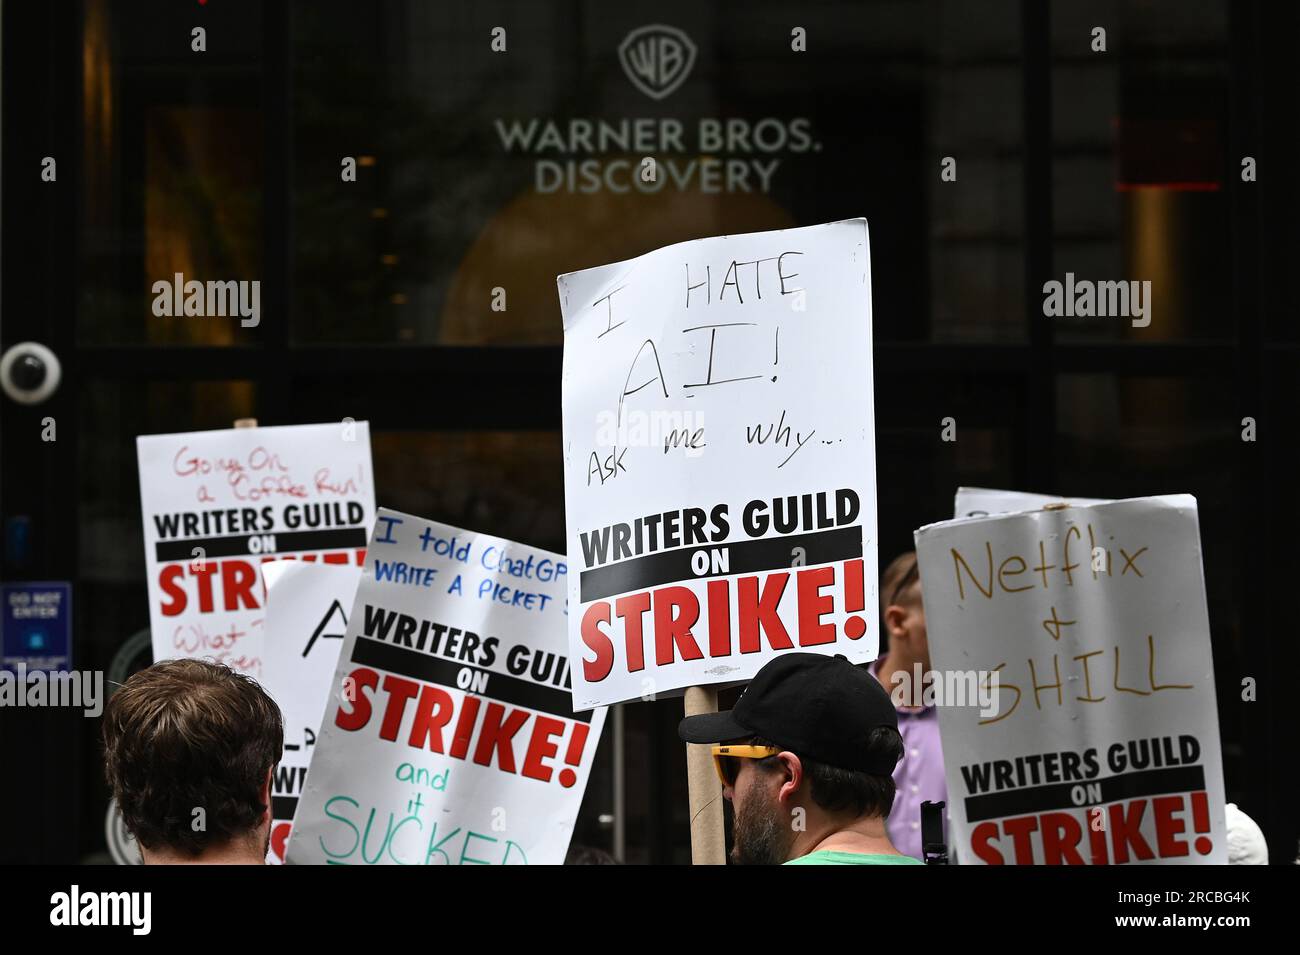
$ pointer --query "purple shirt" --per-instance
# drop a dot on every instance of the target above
(918, 777)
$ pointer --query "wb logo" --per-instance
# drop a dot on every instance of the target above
(657, 59)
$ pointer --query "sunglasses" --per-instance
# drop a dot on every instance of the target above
(726, 759)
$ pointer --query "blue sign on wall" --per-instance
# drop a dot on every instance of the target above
(36, 626)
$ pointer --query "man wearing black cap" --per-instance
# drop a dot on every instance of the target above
(806, 758)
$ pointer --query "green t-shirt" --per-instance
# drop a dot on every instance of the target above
(831, 857)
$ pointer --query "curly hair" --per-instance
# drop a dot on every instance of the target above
(185, 735)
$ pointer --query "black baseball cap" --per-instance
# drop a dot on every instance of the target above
(815, 705)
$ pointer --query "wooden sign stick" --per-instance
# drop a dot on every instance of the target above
(708, 843)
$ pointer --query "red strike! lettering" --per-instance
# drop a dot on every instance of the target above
(228, 584)
(1069, 838)
(436, 715)
(676, 614)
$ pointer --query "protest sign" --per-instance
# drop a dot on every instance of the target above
(983, 501)
(307, 607)
(1085, 630)
(719, 454)
(449, 737)
(217, 504)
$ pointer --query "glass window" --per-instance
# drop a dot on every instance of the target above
(480, 176)
(172, 178)
(507, 483)
(1140, 192)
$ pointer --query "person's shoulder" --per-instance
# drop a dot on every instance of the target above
(829, 857)
(898, 860)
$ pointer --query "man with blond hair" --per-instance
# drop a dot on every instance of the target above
(919, 775)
